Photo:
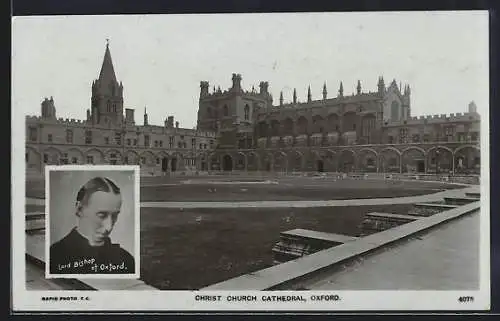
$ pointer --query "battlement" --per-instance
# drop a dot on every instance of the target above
(436, 119)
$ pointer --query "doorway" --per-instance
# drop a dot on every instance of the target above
(173, 164)
(420, 166)
(164, 164)
(320, 165)
(227, 163)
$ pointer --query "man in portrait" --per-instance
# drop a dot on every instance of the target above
(87, 248)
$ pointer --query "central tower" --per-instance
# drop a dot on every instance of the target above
(107, 95)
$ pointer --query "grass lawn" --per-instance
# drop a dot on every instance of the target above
(195, 248)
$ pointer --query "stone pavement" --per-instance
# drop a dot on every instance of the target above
(444, 259)
(281, 204)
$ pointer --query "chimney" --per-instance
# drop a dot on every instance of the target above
(170, 121)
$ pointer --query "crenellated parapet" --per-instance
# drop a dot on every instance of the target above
(436, 119)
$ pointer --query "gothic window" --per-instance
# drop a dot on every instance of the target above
(33, 134)
(247, 112)
(90, 159)
(118, 138)
(193, 142)
(403, 135)
(184, 145)
(201, 146)
(146, 140)
(128, 141)
(157, 161)
(106, 140)
(416, 138)
(45, 158)
(161, 143)
(394, 110)
(74, 160)
(69, 136)
(49, 138)
(179, 145)
(114, 107)
(108, 106)
(370, 162)
(156, 143)
(226, 111)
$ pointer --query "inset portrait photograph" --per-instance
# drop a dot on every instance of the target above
(92, 221)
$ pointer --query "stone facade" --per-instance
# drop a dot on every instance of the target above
(361, 132)
(108, 136)
(241, 130)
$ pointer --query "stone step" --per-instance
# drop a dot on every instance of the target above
(428, 209)
(35, 225)
(375, 222)
(35, 215)
(473, 194)
(299, 242)
(459, 200)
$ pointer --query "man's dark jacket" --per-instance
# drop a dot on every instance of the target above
(74, 255)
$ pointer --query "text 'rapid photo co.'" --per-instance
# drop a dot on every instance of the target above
(314, 161)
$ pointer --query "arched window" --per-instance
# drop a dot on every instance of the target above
(114, 107)
(108, 106)
(226, 111)
(394, 110)
(247, 112)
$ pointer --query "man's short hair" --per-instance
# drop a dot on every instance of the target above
(96, 184)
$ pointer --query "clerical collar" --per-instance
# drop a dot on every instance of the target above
(81, 239)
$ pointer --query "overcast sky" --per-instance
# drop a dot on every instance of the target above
(161, 59)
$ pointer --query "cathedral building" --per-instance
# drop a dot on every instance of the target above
(243, 130)
(110, 135)
(360, 132)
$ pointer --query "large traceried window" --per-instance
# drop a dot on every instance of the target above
(247, 112)
(394, 110)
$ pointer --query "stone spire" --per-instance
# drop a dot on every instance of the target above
(281, 98)
(309, 97)
(294, 95)
(146, 123)
(358, 88)
(324, 91)
(341, 90)
(107, 74)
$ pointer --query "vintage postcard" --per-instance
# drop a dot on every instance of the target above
(251, 162)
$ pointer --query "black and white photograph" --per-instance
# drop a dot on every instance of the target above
(283, 161)
(91, 218)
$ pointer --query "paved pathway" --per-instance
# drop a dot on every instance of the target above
(281, 204)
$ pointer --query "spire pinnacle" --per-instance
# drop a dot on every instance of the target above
(107, 74)
(309, 96)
